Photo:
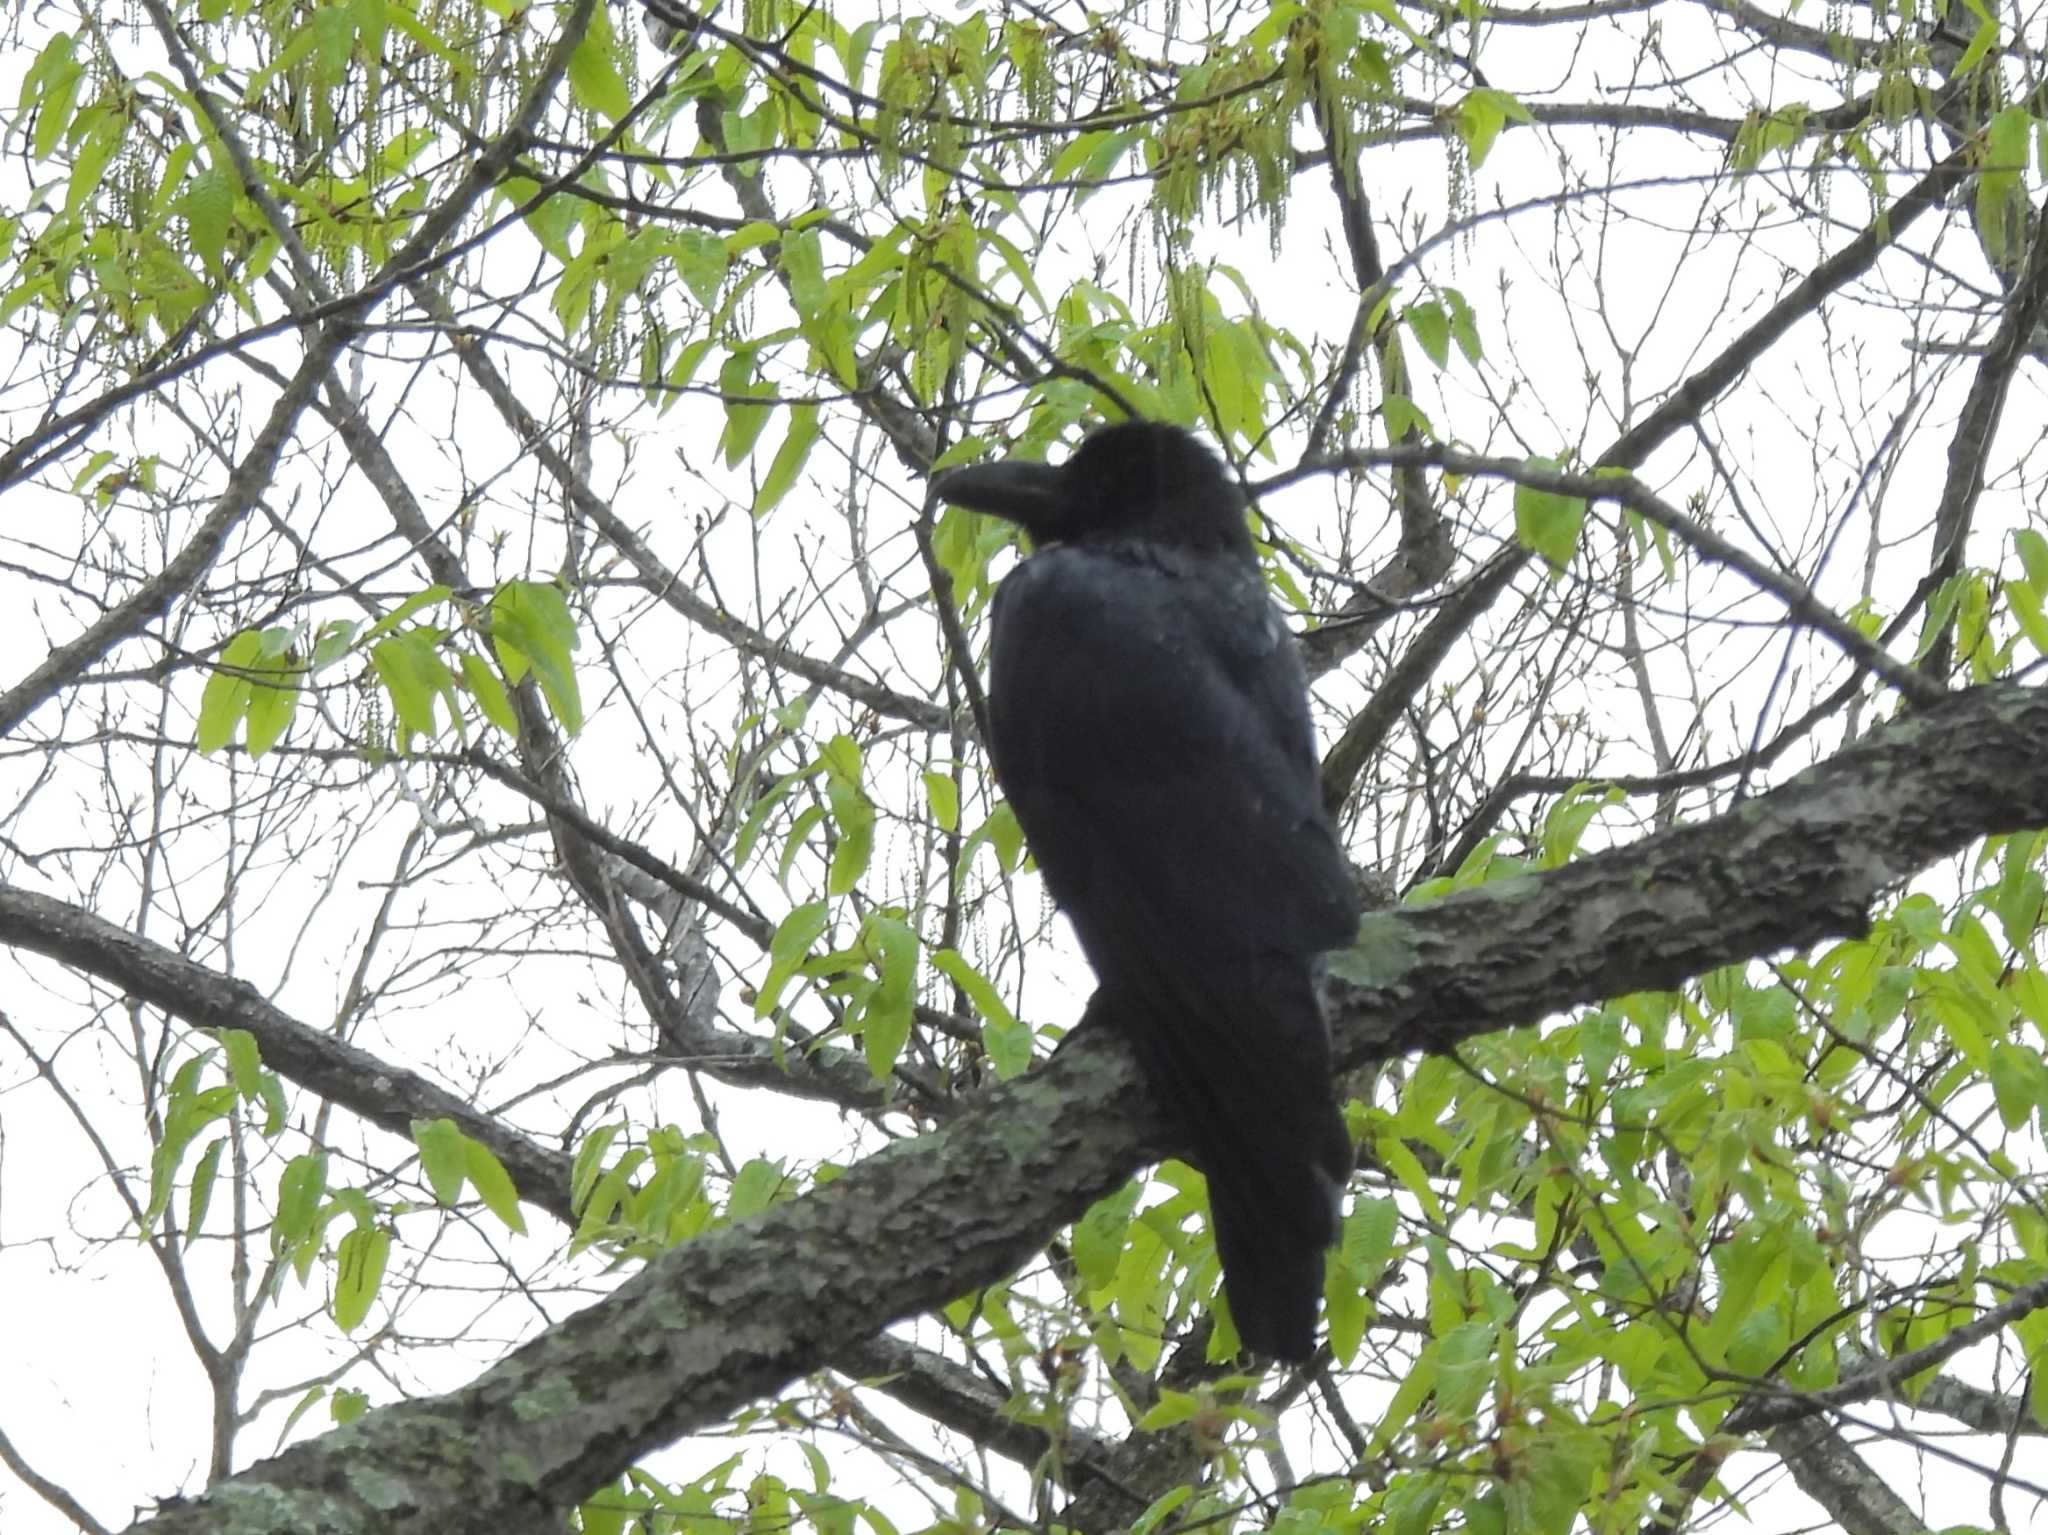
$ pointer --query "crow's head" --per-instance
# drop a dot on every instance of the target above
(1134, 479)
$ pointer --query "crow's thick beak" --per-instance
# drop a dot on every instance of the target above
(1023, 492)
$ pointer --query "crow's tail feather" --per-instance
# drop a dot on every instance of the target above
(1261, 1120)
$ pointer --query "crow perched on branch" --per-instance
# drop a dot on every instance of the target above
(1149, 723)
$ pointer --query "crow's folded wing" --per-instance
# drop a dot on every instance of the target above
(1151, 731)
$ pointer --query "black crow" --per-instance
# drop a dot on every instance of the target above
(1149, 723)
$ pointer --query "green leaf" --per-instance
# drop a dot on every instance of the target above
(533, 630)
(789, 458)
(1566, 821)
(1003, 1037)
(1479, 119)
(209, 209)
(1098, 1237)
(201, 1192)
(803, 264)
(245, 1062)
(347, 1404)
(300, 1408)
(747, 406)
(1432, 329)
(1171, 1408)
(273, 692)
(943, 795)
(1546, 521)
(2001, 183)
(189, 1110)
(1346, 1311)
(492, 1183)
(300, 1189)
(2019, 1082)
(1404, 418)
(489, 692)
(550, 220)
(358, 1271)
(853, 814)
(755, 1188)
(2033, 552)
(787, 950)
(416, 603)
(59, 98)
(589, 1164)
(1464, 1360)
(1161, 1508)
(594, 76)
(225, 701)
(891, 947)
(701, 261)
(440, 1144)
(332, 641)
(2023, 598)
(1090, 160)
(414, 676)
(1464, 325)
(1005, 836)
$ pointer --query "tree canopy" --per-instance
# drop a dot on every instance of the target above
(525, 1007)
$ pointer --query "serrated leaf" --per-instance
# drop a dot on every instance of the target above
(787, 950)
(789, 458)
(209, 209)
(1546, 522)
(1006, 1040)
(332, 641)
(413, 677)
(1464, 1362)
(489, 692)
(594, 77)
(492, 1183)
(754, 1188)
(1171, 1408)
(300, 1408)
(1345, 1310)
(533, 630)
(201, 1193)
(245, 1062)
(1403, 417)
(440, 1143)
(747, 406)
(59, 98)
(2001, 183)
(1481, 116)
(1005, 835)
(1098, 1237)
(225, 700)
(853, 814)
(701, 261)
(589, 1164)
(1432, 328)
(892, 948)
(2033, 552)
(803, 264)
(2023, 598)
(943, 796)
(358, 1271)
(273, 702)
(347, 1404)
(1464, 325)
(299, 1191)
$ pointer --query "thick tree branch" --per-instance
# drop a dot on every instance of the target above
(388, 1096)
(740, 1312)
